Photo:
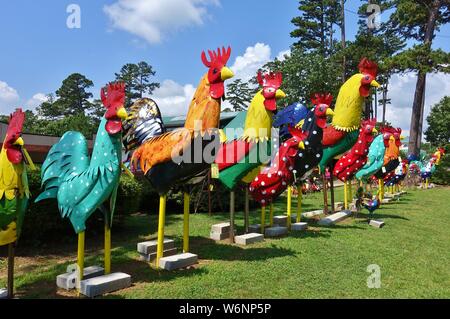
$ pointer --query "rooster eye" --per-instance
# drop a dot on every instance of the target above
(215, 71)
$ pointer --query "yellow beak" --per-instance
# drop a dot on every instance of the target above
(329, 112)
(226, 73)
(374, 131)
(375, 84)
(402, 137)
(122, 113)
(392, 138)
(19, 142)
(301, 145)
(279, 94)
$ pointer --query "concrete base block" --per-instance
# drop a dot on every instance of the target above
(148, 247)
(299, 226)
(256, 228)
(221, 228)
(178, 261)
(152, 257)
(67, 281)
(280, 220)
(312, 214)
(376, 223)
(3, 293)
(335, 218)
(105, 284)
(386, 200)
(218, 236)
(248, 239)
(276, 231)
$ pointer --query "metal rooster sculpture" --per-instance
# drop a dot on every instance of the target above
(14, 192)
(83, 184)
(296, 156)
(168, 158)
(240, 160)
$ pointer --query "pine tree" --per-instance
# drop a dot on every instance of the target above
(137, 80)
(239, 94)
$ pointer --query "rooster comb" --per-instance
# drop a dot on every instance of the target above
(16, 121)
(368, 67)
(220, 57)
(270, 79)
(371, 122)
(322, 98)
(114, 94)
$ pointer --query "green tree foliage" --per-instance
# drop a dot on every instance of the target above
(137, 78)
(239, 94)
(314, 27)
(72, 98)
(438, 131)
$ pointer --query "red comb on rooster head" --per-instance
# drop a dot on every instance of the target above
(13, 140)
(369, 71)
(218, 72)
(271, 83)
(114, 99)
(322, 101)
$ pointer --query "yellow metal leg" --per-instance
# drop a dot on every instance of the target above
(271, 214)
(107, 249)
(289, 206)
(299, 203)
(80, 255)
(186, 223)
(426, 183)
(263, 218)
(161, 222)
(381, 188)
(345, 196)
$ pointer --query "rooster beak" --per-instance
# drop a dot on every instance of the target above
(402, 137)
(301, 145)
(374, 131)
(375, 84)
(226, 73)
(122, 114)
(329, 112)
(279, 94)
(19, 142)
(392, 138)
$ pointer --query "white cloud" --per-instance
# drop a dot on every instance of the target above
(154, 19)
(8, 96)
(401, 92)
(254, 58)
(36, 100)
(283, 54)
(173, 98)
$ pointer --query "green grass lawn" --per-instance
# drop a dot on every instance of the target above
(412, 251)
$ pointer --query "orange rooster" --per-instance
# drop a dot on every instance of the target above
(161, 155)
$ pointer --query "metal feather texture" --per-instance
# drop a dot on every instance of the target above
(143, 123)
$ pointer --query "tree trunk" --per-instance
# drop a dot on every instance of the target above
(415, 133)
(343, 39)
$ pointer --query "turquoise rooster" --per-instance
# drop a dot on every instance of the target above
(82, 185)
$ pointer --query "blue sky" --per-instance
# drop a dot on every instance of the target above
(38, 50)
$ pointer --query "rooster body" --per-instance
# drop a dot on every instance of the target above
(14, 193)
(80, 184)
(173, 157)
(343, 132)
(372, 205)
(347, 166)
(391, 156)
(296, 156)
(240, 159)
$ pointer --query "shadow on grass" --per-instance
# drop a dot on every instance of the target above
(210, 250)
